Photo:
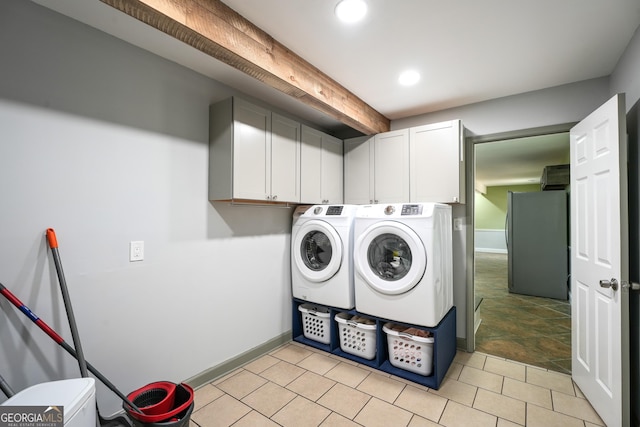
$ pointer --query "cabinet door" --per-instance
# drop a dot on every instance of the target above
(310, 166)
(251, 151)
(391, 167)
(437, 163)
(358, 170)
(331, 178)
(285, 159)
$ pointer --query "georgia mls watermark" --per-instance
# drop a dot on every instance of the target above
(31, 416)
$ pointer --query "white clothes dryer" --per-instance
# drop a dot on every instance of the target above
(322, 255)
(403, 262)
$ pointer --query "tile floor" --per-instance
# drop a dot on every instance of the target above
(528, 329)
(296, 386)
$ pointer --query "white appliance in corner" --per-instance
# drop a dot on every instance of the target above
(76, 396)
(322, 255)
(403, 262)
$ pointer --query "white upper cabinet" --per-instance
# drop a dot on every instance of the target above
(437, 163)
(285, 159)
(358, 170)
(253, 154)
(391, 167)
(321, 168)
(377, 168)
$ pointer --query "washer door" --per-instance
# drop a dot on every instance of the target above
(390, 257)
(317, 251)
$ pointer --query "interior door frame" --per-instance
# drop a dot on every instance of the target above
(470, 142)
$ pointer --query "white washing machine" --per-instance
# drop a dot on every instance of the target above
(403, 262)
(322, 255)
(76, 396)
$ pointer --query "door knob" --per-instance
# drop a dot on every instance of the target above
(613, 284)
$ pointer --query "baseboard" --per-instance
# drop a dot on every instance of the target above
(491, 250)
(223, 368)
(461, 343)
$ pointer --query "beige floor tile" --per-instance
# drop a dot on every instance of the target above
(457, 415)
(292, 353)
(454, 370)
(506, 368)
(553, 380)
(282, 373)
(505, 423)
(301, 412)
(377, 413)
(223, 411)
(382, 387)
(578, 391)
(269, 399)
(417, 421)
(318, 363)
(347, 374)
(227, 376)
(482, 379)
(542, 417)
(344, 400)
(475, 359)
(456, 391)
(205, 395)
(575, 407)
(527, 393)
(311, 385)
(241, 384)
(336, 420)
(255, 419)
(260, 364)
(501, 406)
(421, 402)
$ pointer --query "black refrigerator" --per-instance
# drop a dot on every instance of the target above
(537, 244)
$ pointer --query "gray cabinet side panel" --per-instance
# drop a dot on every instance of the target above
(221, 150)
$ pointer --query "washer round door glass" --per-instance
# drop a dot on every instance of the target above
(390, 257)
(317, 251)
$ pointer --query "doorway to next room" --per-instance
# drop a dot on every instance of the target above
(517, 325)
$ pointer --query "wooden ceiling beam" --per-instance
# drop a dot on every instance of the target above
(217, 30)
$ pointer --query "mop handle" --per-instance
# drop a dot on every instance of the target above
(61, 342)
(53, 244)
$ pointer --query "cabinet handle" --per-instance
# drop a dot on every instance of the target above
(268, 197)
(274, 198)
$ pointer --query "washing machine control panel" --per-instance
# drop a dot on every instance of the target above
(411, 210)
(331, 210)
(334, 210)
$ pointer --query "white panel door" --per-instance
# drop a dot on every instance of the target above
(599, 254)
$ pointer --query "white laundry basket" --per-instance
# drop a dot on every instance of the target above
(315, 322)
(357, 335)
(409, 351)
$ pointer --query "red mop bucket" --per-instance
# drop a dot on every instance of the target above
(155, 398)
(177, 414)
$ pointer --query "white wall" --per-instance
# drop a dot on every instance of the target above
(624, 78)
(557, 105)
(107, 143)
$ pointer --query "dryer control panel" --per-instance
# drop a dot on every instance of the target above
(411, 210)
(334, 210)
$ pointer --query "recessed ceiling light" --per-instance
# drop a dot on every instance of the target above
(351, 11)
(409, 78)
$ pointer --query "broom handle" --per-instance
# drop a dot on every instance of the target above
(62, 343)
